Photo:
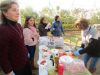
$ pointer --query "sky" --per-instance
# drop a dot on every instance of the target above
(38, 5)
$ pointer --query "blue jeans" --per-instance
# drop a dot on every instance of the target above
(31, 50)
(93, 62)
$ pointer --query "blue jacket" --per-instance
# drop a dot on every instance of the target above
(57, 28)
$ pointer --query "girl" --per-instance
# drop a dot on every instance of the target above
(43, 27)
(30, 37)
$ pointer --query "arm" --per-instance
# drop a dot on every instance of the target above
(82, 45)
(48, 29)
(93, 33)
(92, 42)
(83, 39)
(62, 28)
(41, 28)
(53, 27)
(48, 26)
(91, 47)
(4, 47)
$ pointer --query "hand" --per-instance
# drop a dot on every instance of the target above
(76, 53)
(53, 28)
(48, 26)
(11, 73)
(82, 45)
(79, 49)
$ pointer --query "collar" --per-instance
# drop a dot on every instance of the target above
(10, 22)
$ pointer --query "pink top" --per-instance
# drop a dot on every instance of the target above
(29, 35)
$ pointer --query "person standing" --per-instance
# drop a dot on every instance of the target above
(31, 37)
(43, 27)
(57, 29)
(13, 53)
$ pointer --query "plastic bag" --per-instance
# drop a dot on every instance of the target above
(45, 66)
(43, 70)
(77, 66)
(59, 41)
(66, 60)
(43, 41)
(41, 49)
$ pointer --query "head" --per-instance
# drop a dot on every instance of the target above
(81, 24)
(29, 21)
(57, 18)
(43, 20)
(9, 10)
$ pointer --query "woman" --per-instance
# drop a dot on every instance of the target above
(57, 29)
(89, 44)
(30, 37)
(13, 53)
(43, 27)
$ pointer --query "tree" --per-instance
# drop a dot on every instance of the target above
(79, 12)
(28, 12)
(46, 12)
(95, 19)
(58, 9)
(66, 17)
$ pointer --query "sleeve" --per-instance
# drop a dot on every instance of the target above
(41, 29)
(82, 51)
(83, 38)
(91, 46)
(21, 28)
(53, 26)
(48, 30)
(93, 33)
(25, 33)
(4, 56)
(62, 28)
(82, 45)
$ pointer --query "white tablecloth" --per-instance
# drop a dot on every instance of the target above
(54, 41)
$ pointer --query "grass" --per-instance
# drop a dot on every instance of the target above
(72, 41)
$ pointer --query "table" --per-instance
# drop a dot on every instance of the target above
(48, 69)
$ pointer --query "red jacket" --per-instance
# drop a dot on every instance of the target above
(13, 53)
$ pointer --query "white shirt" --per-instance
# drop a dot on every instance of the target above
(88, 33)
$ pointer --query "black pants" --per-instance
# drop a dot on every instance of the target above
(25, 71)
(31, 50)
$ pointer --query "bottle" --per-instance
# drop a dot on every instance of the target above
(56, 61)
(51, 58)
(60, 69)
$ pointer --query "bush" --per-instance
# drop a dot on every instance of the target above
(68, 26)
